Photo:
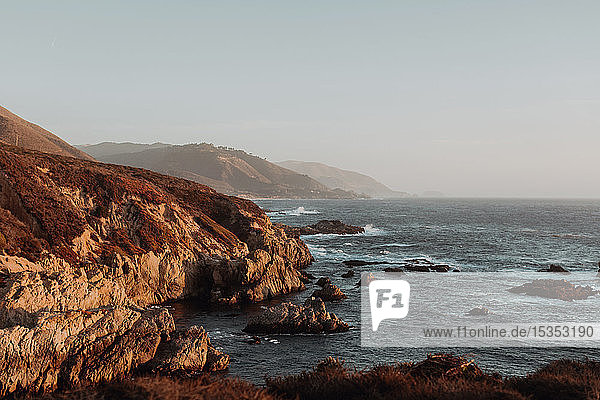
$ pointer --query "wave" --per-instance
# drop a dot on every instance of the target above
(370, 230)
(295, 212)
(396, 245)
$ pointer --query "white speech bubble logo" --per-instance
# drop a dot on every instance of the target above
(389, 300)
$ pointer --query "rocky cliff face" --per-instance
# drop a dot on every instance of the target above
(159, 238)
(86, 247)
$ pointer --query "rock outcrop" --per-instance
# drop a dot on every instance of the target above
(159, 238)
(323, 227)
(188, 352)
(291, 318)
(87, 248)
(329, 292)
(67, 348)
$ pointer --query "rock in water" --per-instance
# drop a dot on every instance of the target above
(323, 281)
(555, 289)
(478, 311)
(329, 292)
(323, 227)
(554, 268)
(348, 274)
(291, 318)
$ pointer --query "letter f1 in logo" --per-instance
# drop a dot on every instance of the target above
(389, 300)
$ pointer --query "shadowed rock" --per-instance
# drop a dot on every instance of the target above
(323, 281)
(329, 292)
(554, 268)
(348, 274)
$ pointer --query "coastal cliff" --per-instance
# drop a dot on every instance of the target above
(86, 247)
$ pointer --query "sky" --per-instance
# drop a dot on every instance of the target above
(470, 98)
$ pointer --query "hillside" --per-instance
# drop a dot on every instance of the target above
(227, 170)
(16, 131)
(339, 178)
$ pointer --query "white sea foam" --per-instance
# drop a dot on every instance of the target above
(320, 251)
(301, 211)
(397, 245)
(370, 230)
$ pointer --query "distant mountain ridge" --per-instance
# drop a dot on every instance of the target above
(339, 178)
(227, 170)
(16, 131)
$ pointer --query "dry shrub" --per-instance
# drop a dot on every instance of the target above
(563, 379)
(203, 387)
(451, 378)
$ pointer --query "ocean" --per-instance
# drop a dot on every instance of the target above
(472, 235)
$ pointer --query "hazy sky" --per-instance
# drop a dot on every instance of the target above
(490, 98)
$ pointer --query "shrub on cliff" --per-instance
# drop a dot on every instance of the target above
(450, 378)
(203, 387)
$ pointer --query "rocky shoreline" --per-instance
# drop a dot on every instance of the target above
(87, 250)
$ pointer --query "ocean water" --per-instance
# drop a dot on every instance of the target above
(469, 234)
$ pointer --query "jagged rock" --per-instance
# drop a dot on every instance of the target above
(323, 227)
(160, 238)
(85, 246)
(80, 346)
(329, 292)
(188, 351)
(348, 274)
(68, 338)
(323, 281)
(555, 289)
(479, 310)
(291, 318)
(554, 268)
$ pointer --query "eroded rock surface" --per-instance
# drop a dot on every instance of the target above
(312, 317)
(188, 352)
(67, 348)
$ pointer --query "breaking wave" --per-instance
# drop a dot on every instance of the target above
(370, 230)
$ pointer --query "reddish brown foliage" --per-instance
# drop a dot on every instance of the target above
(31, 190)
